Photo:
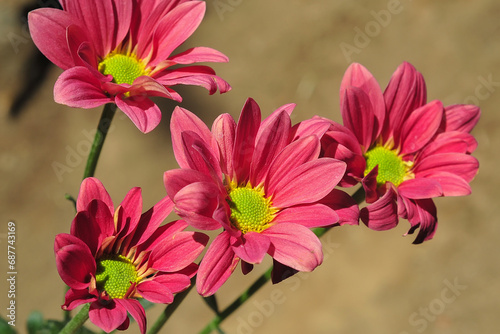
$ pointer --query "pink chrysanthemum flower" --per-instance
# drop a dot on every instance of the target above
(403, 150)
(260, 181)
(112, 257)
(119, 51)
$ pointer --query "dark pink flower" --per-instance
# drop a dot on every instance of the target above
(119, 51)
(262, 183)
(113, 257)
(402, 149)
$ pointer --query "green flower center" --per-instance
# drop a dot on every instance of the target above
(250, 210)
(115, 274)
(391, 168)
(123, 68)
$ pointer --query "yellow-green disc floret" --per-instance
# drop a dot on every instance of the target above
(123, 68)
(391, 167)
(250, 210)
(115, 275)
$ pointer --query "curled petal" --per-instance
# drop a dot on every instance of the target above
(77, 87)
(382, 214)
(420, 188)
(136, 310)
(74, 261)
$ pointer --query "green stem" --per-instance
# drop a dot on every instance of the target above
(78, 320)
(162, 319)
(102, 130)
(214, 324)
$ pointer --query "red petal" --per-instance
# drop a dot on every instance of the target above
(383, 214)
(420, 127)
(308, 183)
(270, 141)
(143, 112)
(314, 215)
(295, 246)
(107, 317)
(251, 247)
(74, 261)
(246, 131)
(77, 87)
(217, 265)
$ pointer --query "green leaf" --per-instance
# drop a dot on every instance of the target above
(37, 325)
(5, 328)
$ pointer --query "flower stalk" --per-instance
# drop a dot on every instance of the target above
(77, 321)
(102, 130)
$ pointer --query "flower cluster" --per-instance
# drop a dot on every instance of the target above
(263, 184)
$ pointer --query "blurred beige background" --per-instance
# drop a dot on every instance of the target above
(280, 52)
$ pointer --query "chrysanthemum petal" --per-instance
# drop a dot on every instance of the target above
(314, 126)
(293, 155)
(176, 179)
(224, 131)
(452, 185)
(143, 112)
(174, 282)
(184, 247)
(196, 204)
(93, 225)
(246, 132)
(427, 220)
(184, 120)
(358, 115)
(75, 263)
(405, 92)
(151, 220)
(251, 247)
(463, 165)
(449, 142)
(75, 298)
(358, 76)
(461, 117)
(199, 54)
(132, 208)
(155, 292)
(314, 215)
(200, 156)
(91, 189)
(108, 21)
(344, 205)
(383, 214)
(307, 183)
(273, 138)
(421, 126)
(161, 233)
(48, 31)
(199, 75)
(175, 27)
(136, 310)
(295, 246)
(217, 265)
(107, 317)
(420, 188)
(77, 87)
